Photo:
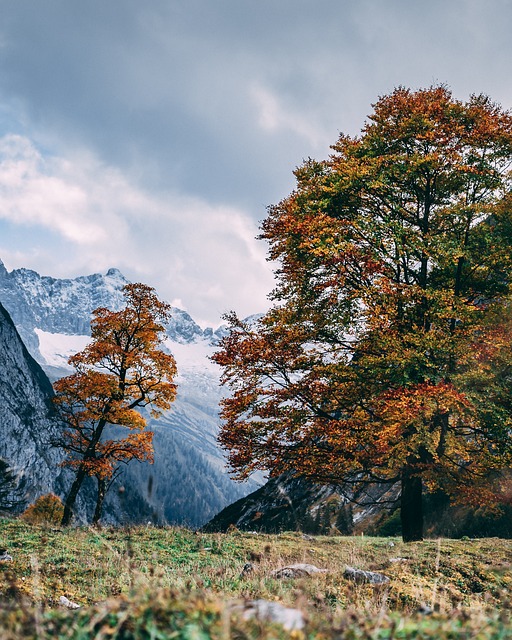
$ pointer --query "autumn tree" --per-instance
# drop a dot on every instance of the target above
(374, 364)
(123, 369)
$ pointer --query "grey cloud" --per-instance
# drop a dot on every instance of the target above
(221, 99)
(167, 84)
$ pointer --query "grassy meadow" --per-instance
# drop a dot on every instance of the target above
(162, 583)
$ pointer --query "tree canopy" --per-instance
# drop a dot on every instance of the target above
(123, 369)
(386, 354)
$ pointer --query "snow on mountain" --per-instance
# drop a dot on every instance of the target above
(57, 348)
(188, 482)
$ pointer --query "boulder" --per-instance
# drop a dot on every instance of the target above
(267, 611)
(297, 571)
(69, 604)
(358, 575)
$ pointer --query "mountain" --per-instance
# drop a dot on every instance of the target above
(27, 423)
(285, 503)
(188, 482)
(288, 503)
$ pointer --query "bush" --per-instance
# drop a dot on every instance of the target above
(47, 509)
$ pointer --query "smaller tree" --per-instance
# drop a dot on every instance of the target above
(124, 368)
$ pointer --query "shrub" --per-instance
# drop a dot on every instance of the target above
(47, 509)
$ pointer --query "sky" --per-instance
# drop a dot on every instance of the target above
(152, 136)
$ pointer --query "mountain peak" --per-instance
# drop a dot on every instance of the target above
(113, 272)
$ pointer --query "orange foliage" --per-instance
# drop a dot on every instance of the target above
(124, 368)
(47, 509)
(381, 355)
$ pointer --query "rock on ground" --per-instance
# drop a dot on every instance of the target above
(290, 619)
(297, 571)
(358, 575)
(69, 604)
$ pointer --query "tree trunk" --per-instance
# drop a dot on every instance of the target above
(102, 491)
(411, 507)
(80, 474)
(71, 497)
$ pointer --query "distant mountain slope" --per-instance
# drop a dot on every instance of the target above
(286, 503)
(188, 482)
(295, 504)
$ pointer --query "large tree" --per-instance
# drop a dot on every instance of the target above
(123, 369)
(394, 262)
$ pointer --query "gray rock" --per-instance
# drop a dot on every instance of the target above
(425, 610)
(69, 604)
(247, 569)
(5, 557)
(358, 575)
(264, 610)
(297, 571)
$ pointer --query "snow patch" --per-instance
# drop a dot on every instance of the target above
(193, 357)
(57, 348)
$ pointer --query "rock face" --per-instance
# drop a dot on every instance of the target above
(295, 504)
(27, 424)
(35, 301)
(286, 504)
(188, 482)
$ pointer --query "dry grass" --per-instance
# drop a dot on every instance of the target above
(468, 583)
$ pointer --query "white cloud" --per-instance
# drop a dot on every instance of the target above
(274, 116)
(191, 251)
(49, 192)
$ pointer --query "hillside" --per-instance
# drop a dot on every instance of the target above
(172, 583)
(285, 503)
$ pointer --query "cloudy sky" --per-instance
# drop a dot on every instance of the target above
(151, 136)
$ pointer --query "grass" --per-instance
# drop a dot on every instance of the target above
(148, 582)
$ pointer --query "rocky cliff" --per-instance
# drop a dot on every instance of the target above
(27, 424)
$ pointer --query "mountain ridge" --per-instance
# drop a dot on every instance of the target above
(189, 482)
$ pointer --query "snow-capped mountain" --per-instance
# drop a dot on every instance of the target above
(188, 482)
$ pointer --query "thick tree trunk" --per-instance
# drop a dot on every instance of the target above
(411, 507)
(102, 491)
(71, 497)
